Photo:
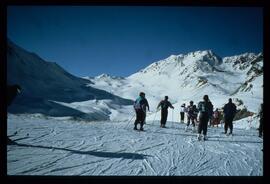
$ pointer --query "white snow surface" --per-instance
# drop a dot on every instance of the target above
(64, 146)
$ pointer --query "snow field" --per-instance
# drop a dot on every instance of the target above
(61, 146)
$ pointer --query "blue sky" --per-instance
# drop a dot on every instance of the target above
(121, 40)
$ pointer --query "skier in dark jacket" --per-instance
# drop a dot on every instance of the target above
(205, 108)
(229, 110)
(164, 104)
(140, 108)
(12, 92)
(191, 115)
(261, 121)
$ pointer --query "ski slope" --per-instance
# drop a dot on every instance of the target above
(64, 146)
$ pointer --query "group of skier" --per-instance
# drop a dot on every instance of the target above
(214, 117)
(202, 115)
(140, 106)
(204, 110)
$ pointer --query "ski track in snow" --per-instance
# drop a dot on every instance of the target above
(65, 147)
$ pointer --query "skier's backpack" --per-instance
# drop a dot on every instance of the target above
(201, 107)
(137, 104)
(206, 107)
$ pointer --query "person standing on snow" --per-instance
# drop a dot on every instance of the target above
(196, 111)
(140, 105)
(229, 110)
(205, 108)
(216, 118)
(182, 113)
(191, 114)
(164, 104)
(210, 117)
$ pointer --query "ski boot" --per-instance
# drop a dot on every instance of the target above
(230, 133)
(199, 137)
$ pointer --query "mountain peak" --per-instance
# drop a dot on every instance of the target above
(103, 75)
(201, 52)
(107, 76)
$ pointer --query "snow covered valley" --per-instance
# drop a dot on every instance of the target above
(63, 146)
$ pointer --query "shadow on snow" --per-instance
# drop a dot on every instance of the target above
(134, 156)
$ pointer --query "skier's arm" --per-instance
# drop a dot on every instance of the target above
(170, 105)
(134, 104)
(234, 110)
(147, 105)
(225, 108)
(159, 105)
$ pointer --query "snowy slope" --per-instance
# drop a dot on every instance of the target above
(189, 76)
(46, 88)
(62, 146)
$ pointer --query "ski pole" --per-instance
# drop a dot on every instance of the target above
(154, 117)
(129, 121)
(172, 114)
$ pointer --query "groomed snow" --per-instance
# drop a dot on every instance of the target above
(63, 146)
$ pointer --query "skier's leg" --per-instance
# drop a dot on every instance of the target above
(225, 125)
(205, 126)
(193, 122)
(136, 120)
(231, 125)
(200, 125)
(143, 120)
(188, 121)
(182, 116)
(165, 117)
(161, 119)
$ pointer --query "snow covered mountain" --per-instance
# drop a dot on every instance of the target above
(49, 89)
(189, 76)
